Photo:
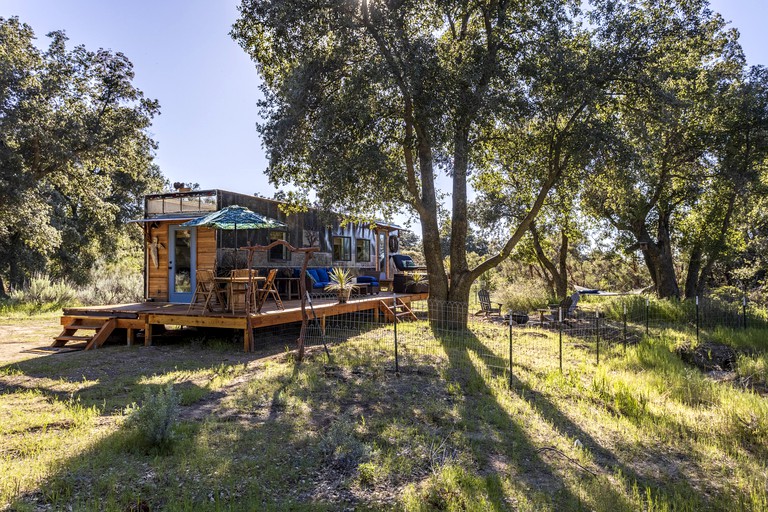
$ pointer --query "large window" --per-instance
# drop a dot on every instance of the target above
(181, 203)
(363, 250)
(279, 252)
(342, 248)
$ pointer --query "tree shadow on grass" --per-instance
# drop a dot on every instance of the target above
(465, 343)
(508, 438)
(217, 463)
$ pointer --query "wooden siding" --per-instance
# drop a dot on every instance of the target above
(206, 248)
(157, 278)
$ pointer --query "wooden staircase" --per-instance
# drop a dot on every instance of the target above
(399, 310)
(98, 328)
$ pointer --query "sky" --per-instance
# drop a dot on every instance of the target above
(208, 87)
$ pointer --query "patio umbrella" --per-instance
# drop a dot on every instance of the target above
(235, 217)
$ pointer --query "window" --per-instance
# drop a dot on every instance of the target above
(342, 248)
(279, 252)
(363, 250)
(181, 203)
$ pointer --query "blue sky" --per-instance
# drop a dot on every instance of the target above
(208, 87)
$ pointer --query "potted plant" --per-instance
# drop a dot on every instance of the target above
(341, 283)
(417, 284)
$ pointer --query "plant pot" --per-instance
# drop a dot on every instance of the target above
(344, 295)
(417, 288)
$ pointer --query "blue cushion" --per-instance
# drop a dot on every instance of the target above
(322, 275)
(367, 279)
(296, 272)
(319, 285)
(313, 275)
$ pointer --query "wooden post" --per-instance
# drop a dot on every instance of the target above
(147, 333)
(302, 286)
(130, 336)
(247, 338)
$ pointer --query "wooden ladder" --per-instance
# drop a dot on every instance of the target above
(102, 327)
(399, 310)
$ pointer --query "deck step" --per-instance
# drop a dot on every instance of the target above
(398, 311)
(93, 327)
(73, 338)
(101, 327)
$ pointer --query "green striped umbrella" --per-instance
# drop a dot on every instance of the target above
(236, 217)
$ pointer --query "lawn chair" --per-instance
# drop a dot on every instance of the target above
(486, 307)
(205, 291)
(269, 289)
(568, 305)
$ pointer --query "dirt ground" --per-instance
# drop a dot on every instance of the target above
(26, 338)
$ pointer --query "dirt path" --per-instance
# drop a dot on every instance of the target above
(19, 335)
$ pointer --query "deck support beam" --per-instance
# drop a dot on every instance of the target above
(147, 333)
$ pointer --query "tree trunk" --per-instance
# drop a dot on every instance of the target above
(3, 292)
(658, 258)
(692, 276)
(562, 278)
(556, 275)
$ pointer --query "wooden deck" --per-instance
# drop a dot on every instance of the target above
(144, 315)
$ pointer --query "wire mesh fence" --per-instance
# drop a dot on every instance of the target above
(426, 336)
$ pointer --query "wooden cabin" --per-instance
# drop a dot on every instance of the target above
(174, 253)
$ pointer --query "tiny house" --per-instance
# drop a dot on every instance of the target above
(173, 253)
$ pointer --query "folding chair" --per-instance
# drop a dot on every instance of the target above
(269, 289)
(205, 290)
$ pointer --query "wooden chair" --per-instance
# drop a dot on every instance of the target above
(486, 307)
(569, 305)
(205, 291)
(237, 290)
(269, 289)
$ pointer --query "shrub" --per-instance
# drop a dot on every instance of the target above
(43, 293)
(523, 296)
(112, 286)
(154, 421)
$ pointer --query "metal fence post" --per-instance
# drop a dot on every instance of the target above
(597, 334)
(647, 315)
(697, 318)
(510, 350)
(394, 316)
(560, 316)
(744, 311)
(625, 325)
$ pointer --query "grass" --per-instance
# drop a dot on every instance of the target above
(641, 431)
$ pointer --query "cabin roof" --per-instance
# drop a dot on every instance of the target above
(218, 193)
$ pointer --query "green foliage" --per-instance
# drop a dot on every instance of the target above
(523, 296)
(75, 155)
(619, 397)
(154, 421)
(453, 488)
(41, 293)
(340, 447)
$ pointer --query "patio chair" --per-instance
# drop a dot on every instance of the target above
(269, 289)
(205, 290)
(486, 307)
(569, 305)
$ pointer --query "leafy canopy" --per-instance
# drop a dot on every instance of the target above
(75, 154)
